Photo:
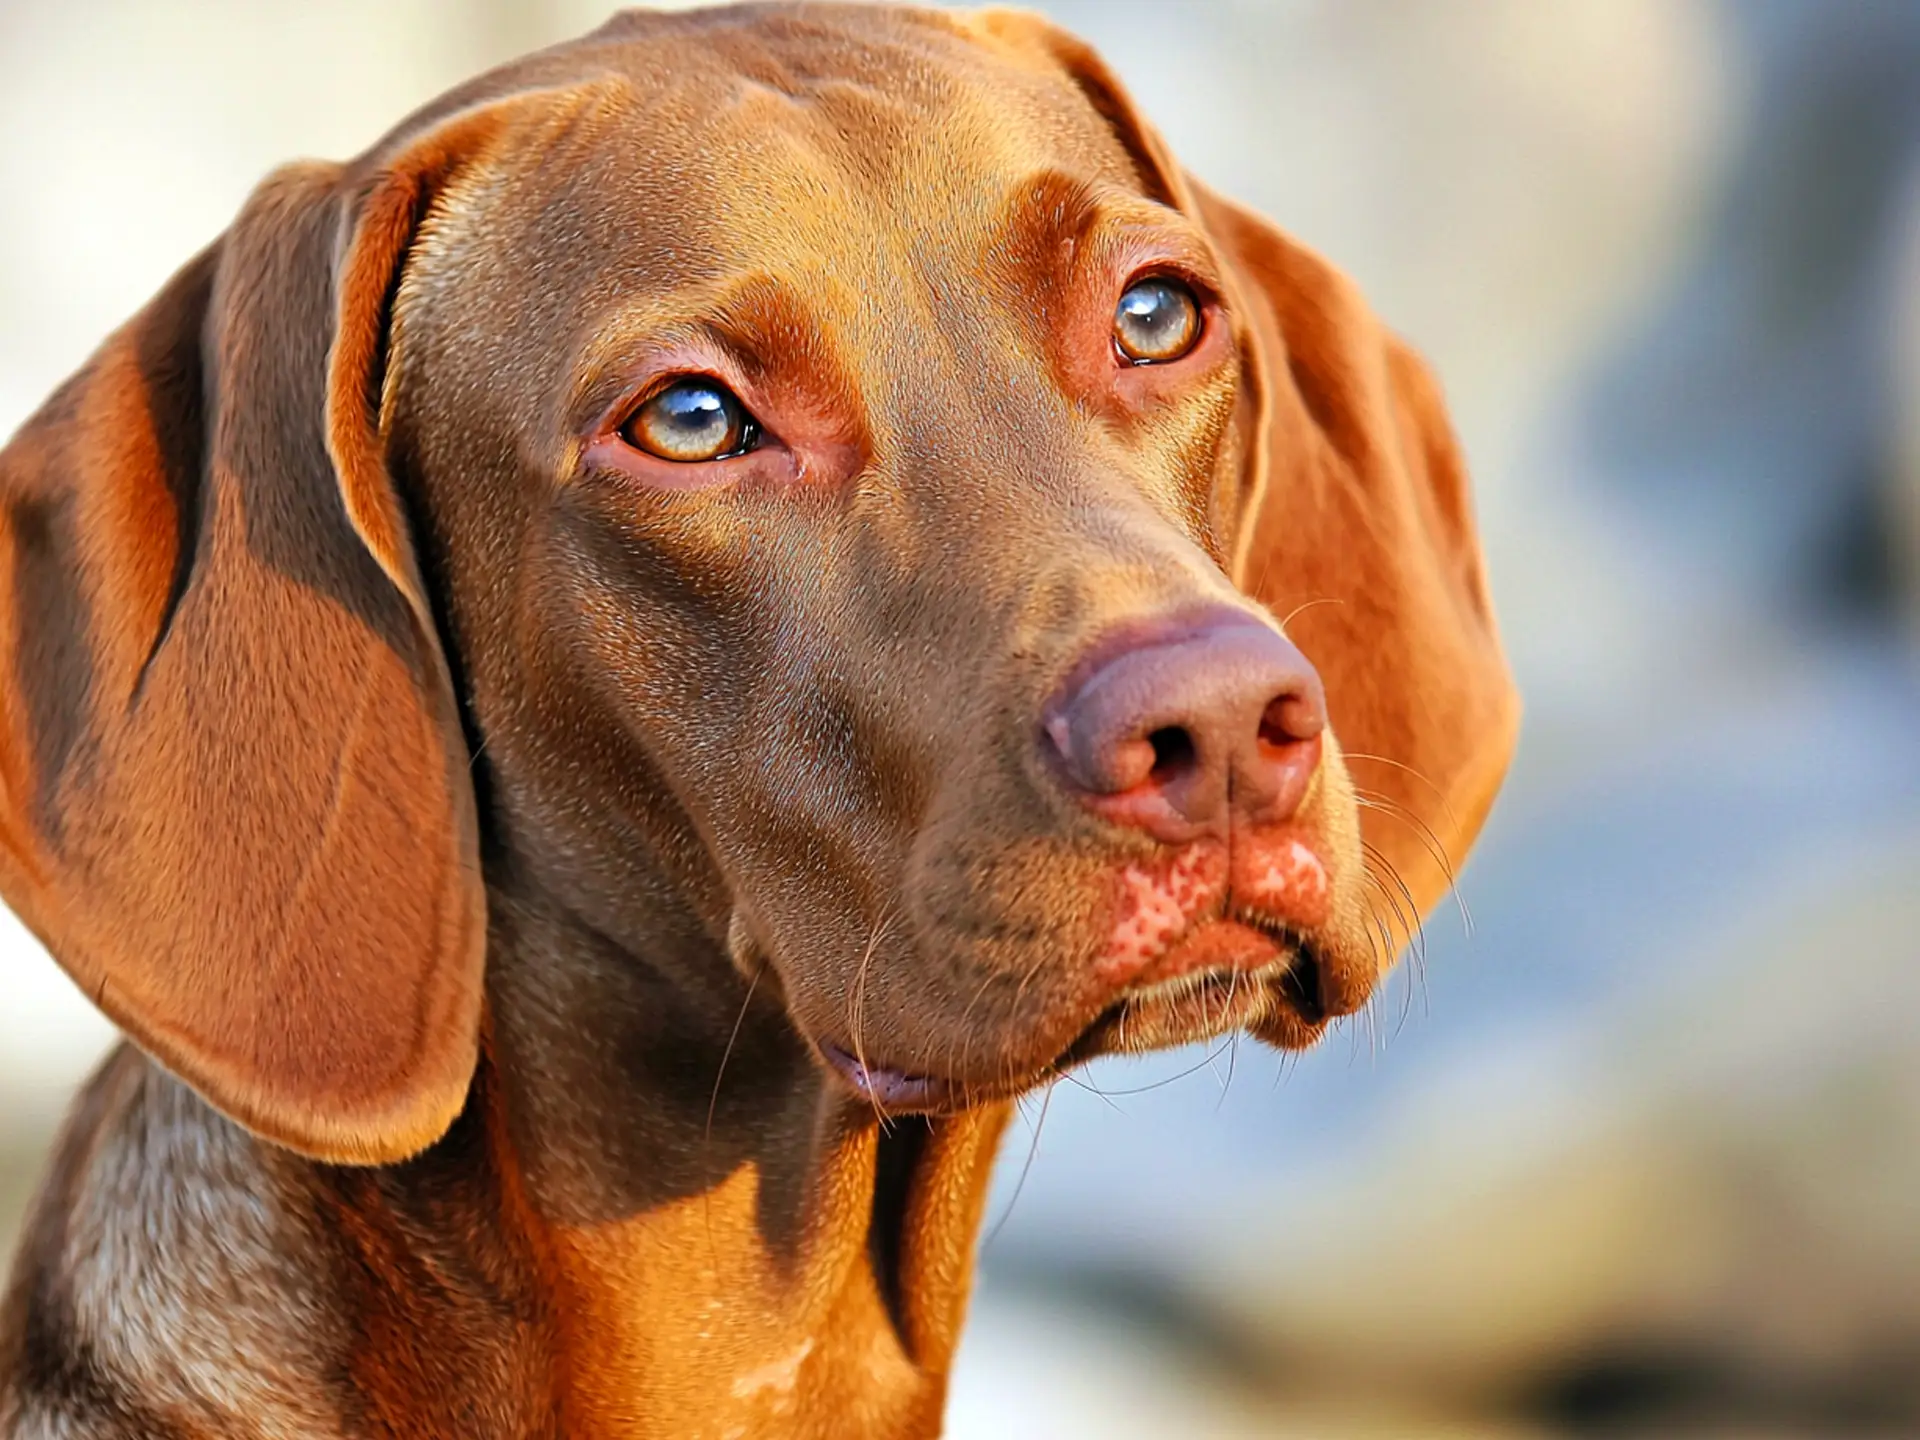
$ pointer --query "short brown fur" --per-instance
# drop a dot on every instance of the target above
(485, 840)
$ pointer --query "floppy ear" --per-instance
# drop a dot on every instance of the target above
(1351, 518)
(1355, 527)
(234, 799)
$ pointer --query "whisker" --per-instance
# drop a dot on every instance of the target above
(1266, 568)
(1233, 1039)
(713, 1103)
(1090, 1088)
(1438, 793)
(1386, 805)
(1033, 1149)
(1212, 1057)
(1379, 904)
(966, 1029)
(1204, 1062)
(1398, 898)
(1414, 968)
(858, 1002)
(1379, 932)
(1386, 907)
(1308, 605)
(1233, 1059)
(1405, 908)
(733, 1036)
(1379, 871)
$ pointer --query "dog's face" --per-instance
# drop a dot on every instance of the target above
(828, 450)
(836, 449)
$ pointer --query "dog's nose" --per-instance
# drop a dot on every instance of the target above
(1185, 735)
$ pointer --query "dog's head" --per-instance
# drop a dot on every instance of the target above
(845, 498)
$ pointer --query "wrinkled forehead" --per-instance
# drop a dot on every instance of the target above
(826, 141)
(847, 166)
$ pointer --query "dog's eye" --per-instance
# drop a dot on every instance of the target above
(1157, 320)
(691, 420)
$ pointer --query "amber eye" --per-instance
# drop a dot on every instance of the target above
(692, 419)
(1157, 320)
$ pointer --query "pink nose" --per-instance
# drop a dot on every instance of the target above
(1191, 734)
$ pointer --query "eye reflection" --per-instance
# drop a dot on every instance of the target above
(1157, 320)
(692, 420)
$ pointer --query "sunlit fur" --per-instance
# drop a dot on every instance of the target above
(496, 831)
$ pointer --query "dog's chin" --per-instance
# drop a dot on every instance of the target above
(1232, 975)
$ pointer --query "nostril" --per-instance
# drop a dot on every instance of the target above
(1174, 754)
(1289, 719)
(1273, 725)
(1176, 733)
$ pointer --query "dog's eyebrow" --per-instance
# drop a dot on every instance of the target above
(763, 323)
(1046, 212)
(1053, 217)
(760, 327)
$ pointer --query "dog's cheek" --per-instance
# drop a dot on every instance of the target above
(1002, 924)
(1230, 482)
(1190, 457)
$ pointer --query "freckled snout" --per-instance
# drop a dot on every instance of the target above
(1212, 727)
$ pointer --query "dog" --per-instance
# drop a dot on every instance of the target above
(600, 688)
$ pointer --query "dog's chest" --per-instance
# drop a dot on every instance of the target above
(681, 1326)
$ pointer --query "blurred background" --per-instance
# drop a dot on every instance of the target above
(1636, 1150)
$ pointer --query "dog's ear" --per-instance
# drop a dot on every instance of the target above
(1354, 524)
(1350, 515)
(234, 793)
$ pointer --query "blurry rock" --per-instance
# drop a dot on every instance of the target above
(1712, 1209)
(1904, 385)
(1748, 419)
(1034, 1368)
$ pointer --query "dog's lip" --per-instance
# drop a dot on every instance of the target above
(891, 1090)
(1274, 990)
(1237, 942)
(1272, 981)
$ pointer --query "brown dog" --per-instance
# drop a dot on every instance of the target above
(598, 687)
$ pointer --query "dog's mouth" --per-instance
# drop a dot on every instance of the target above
(1245, 972)
(1250, 973)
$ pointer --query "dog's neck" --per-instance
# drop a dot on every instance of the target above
(721, 1231)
